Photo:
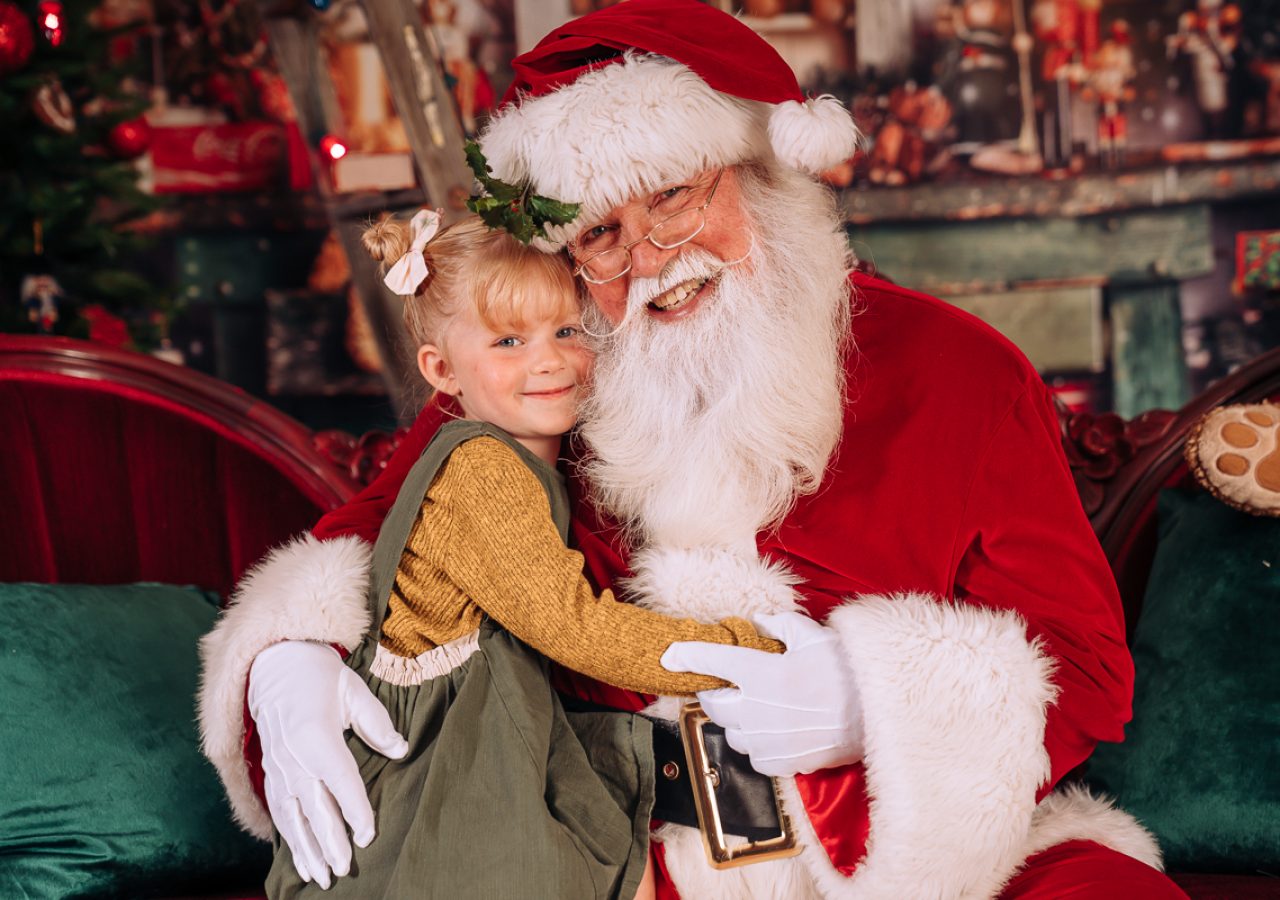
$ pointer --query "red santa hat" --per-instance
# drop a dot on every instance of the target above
(622, 101)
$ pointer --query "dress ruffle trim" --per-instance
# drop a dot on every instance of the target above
(409, 671)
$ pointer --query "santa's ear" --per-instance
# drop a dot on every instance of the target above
(435, 367)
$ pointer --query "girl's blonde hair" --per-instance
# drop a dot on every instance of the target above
(506, 282)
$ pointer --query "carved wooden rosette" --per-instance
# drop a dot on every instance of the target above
(363, 458)
(1099, 446)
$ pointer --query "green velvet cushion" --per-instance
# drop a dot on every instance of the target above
(1200, 765)
(103, 791)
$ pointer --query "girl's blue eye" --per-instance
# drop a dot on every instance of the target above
(507, 342)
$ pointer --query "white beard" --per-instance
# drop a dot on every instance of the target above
(705, 430)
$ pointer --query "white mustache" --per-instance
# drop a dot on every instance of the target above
(693, 263)
(687, 266)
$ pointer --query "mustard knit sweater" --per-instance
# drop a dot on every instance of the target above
(484, 543)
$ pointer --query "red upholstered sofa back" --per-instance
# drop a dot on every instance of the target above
(120, 468)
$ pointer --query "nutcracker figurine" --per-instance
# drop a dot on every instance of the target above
(1067, 31)
(471, 87)
(40, 295)
(1209, 36)
(1110, 78)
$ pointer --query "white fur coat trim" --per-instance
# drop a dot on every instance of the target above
(710, 583)
(1071, 813)
(954, 698)
(307, 589)
(1065, 815)
(782, 879)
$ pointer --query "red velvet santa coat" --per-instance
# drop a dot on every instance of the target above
(948, 548)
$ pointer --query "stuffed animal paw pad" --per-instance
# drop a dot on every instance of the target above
(1234, 453)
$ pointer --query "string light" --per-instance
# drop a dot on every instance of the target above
(333, 147)
(49, 15)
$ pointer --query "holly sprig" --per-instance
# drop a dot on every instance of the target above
(514, 208)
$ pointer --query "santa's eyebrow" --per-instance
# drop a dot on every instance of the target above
(584, 233)
(656, 197)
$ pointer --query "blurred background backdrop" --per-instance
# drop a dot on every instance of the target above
(1098, 179)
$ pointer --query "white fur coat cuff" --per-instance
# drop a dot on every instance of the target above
(307, 589)
(954, 698)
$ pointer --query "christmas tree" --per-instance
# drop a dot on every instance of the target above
(71, 126)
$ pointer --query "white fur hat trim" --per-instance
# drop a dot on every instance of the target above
(632, 126)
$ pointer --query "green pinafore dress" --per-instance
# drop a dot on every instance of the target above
(502, 793)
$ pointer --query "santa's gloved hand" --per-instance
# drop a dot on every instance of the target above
(798, 711)
(302, 698)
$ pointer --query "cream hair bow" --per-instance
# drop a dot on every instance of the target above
(410, 270)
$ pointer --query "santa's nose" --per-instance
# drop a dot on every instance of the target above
(647, 259)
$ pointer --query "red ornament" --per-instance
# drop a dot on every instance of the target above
(130, 138)
(17, 37)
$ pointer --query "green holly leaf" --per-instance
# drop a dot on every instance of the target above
(490, 210)
(494, 187)
(556, 212)
(513, 208)
(481, 205)
(476, 161)
(520, 226)
(494, 218)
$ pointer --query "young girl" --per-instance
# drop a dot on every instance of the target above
(502, 794)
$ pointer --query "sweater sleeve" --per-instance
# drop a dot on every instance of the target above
(506, 555)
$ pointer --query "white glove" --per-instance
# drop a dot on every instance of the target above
(798, 711)
(302, 698)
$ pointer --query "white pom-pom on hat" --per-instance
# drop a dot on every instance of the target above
(814, 135)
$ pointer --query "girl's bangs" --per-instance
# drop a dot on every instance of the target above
(524, 287)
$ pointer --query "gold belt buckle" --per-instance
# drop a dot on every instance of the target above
(704, 778)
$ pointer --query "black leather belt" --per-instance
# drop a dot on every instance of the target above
(745, 797)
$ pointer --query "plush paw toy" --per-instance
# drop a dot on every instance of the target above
(1234, 452)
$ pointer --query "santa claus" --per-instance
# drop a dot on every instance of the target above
(875, 473)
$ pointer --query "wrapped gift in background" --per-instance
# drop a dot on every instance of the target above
(1257, 261)
(223, 157)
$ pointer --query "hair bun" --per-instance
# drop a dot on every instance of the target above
(386, 239)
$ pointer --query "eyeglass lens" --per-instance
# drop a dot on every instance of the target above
(666, 235)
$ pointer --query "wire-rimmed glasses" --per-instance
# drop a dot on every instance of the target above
(612, 263)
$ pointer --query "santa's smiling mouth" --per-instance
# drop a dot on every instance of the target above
(680, 297)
